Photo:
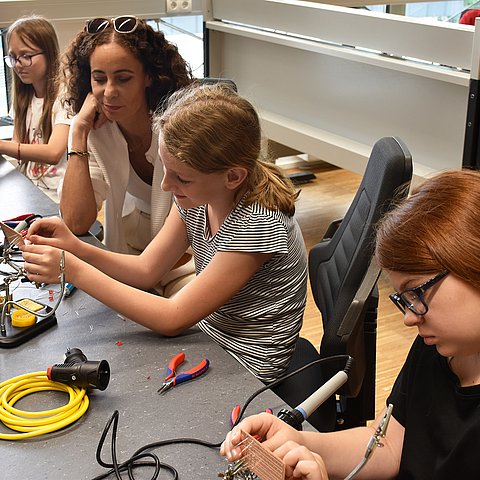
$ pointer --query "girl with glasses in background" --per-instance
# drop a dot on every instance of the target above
(118, 73)
(41, 124)
(429, 247)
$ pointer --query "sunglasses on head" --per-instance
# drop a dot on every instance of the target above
(124, 24)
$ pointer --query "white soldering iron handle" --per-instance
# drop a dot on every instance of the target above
(23, 225)
(308, 406)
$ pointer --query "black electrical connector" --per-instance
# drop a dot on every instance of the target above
(78, 371)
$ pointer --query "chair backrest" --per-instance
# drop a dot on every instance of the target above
(338, 266)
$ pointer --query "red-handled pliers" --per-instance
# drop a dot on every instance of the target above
(173, 379)
(234, 418)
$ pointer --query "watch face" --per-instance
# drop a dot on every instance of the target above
(13, 237)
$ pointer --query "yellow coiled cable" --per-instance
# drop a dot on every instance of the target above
(33, 424)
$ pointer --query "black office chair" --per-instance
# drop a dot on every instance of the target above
(343, 279)
(97, 230)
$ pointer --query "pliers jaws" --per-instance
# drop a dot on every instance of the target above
(173, 379)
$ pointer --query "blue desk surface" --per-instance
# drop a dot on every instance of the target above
(198, 409)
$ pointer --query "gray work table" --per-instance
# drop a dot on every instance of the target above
(19, 196)
(138, 358)
(199, 408)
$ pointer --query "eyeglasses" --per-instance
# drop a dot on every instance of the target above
(124, 24)
(412, 299)
(24, 60)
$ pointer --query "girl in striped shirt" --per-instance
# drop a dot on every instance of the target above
(233, 209)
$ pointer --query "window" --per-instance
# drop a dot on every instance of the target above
(187, 33)
(449, 11)
(4, 81)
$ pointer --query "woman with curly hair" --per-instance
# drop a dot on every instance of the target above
(41, 124)
(118, 73)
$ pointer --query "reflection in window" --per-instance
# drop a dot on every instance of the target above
(442, 11)
(186, 32)
(435, 10)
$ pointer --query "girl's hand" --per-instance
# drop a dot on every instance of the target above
(52, 231)
(91, 114)
(274, 431)
(42, 263)
(301, 463)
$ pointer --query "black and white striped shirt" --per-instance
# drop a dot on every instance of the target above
(259, 325)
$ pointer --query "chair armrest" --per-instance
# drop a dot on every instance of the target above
(351, 333)
(332, 228)
(352, 316)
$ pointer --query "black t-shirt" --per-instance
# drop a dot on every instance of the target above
(441, 419)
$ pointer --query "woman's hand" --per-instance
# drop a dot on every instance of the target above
(91, 115)
(53, 232)
(270, 428)
(300, 462)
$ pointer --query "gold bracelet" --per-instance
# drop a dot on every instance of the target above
(78, 153)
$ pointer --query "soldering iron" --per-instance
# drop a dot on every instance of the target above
(298, 415)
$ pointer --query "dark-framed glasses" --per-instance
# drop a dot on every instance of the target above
(24, 60)
(123, 24)
(413, 298)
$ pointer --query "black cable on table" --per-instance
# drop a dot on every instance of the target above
(133, 462)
